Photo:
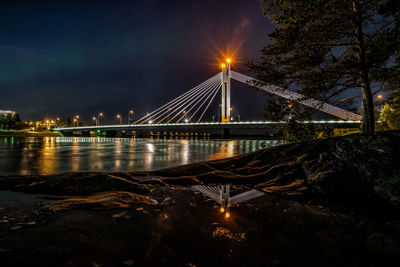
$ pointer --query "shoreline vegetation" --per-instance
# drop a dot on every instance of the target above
(332, 201)
(22, 133)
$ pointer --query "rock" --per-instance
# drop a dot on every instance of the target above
(119, 215)
(382, 245)
(183, 180)
(106, 200)
(80, 184)
(128, 262)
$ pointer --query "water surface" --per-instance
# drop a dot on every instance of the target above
(53, 155)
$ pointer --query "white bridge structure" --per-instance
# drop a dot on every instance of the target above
(188, 109)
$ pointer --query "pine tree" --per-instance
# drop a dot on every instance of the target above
(328, 50)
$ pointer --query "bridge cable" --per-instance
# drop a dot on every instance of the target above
(210, 90)
(178, 99)
(205, 101)
(177, 106)
(211, 100)
(183, 106)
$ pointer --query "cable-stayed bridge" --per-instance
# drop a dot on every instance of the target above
(187, 110)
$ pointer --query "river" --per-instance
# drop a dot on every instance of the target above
(53, 155)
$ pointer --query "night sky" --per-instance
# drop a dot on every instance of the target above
(60, 58)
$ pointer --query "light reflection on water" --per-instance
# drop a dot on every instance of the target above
(61, 154)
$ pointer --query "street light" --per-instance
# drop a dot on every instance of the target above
(76, 120)
(131, 112)
(380, 102)
(184, 114)
(98, 117)
(94, 118)
(120, 118)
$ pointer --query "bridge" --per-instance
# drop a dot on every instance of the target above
(187, 110)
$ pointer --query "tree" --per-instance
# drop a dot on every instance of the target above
(391, 76)
(390, 114)
(328, 50)
(11, 121)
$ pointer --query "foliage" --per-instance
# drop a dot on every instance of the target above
(328, 50)
(390, 114)
(391, 76)
(299, 131)
(279, 109)
(11, 122)
(69, 122)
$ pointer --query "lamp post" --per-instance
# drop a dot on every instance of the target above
(380, 102)
(98, 117)
(184, 113)
(131, 112)
(58, 121)
(150, 120)
(76, 120)
(120, 118)
(94, 118)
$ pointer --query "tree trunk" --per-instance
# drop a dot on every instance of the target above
(367, 104)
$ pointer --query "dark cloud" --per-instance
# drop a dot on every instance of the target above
(58, 58)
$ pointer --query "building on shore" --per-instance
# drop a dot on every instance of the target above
(5, 112)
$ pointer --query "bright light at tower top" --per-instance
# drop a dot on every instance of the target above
(228, 60)
(223, 65)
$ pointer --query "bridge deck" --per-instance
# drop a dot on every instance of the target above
(207, 125)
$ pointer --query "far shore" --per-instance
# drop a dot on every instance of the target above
(16, 133)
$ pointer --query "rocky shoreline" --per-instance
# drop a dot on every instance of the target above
(351, 182)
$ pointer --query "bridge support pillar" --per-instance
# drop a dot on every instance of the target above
(111, 133)
(225, 133)
(85, 133)
(226, 91)
(67, 134)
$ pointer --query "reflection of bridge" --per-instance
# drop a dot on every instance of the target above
(187, 111)
(222, 195)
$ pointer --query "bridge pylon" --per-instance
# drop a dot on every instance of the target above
(226, 91)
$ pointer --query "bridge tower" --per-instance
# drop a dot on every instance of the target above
(226, 91)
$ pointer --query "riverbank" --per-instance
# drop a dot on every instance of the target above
(327, 203)
(16, 133)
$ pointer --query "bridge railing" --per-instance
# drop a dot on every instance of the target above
(133, 126)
